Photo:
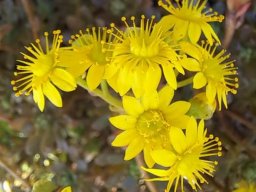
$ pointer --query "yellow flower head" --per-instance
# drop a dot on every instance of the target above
(147, 122)
(138, 54)
(41, 70)
(94, 49)
(213, 71)
(190, 18)
(244, 186)
(186, 156)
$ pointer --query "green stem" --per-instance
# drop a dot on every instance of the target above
(104, 87)
(103, 94)
(185, 82)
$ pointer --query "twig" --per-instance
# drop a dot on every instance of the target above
(32, 19)
(243, 143)
(151, 186)
(241, 119)
(12, 173)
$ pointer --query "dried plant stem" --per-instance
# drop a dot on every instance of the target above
(32, 19)
(151, 186)
(241, 119)
(4, 166)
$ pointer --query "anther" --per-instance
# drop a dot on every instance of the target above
(132, 18)
(46, 34)
(12, 82)
(37, 40)
(123, 19)
(112, 24)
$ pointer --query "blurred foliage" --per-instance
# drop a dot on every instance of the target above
(71, 146)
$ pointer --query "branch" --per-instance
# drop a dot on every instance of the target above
(151, 186)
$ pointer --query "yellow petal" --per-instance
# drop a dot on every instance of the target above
(124, 80)
(177, 108)
(180, 29)
(178, 140)
(178, 66)
(211, 92)
(164, 157)
(132, 106)
(170, 76)
(123, 122)
(52, 94)
(207, 29)
(113, 82)
(179, 121)
(147, 157)
(123, 138)
(150, 100)
(152, 79)
(157, 172)
(191, 50)
(199, 80)
(191, 132)
(134, 148)
(190, 64)
(224, 99)
(137, 85)
(165, 96)
(165, 23)
(201, 132)
(63, 80)
(74, 61)
(38, 97)
(94, 76)
(194, 32)
(110, 71)
(66, 189)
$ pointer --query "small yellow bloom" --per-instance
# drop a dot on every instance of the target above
(138, 54)
(189, 18)
(94, 47)
(244, 186)
(147, 122)
(186, 156)
(41, 71)
(213, 71)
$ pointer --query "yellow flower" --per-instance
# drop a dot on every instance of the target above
(147, 122)
(190, 18)
(41, 71)
(213, 71)
(94, 49)
(186, 156)
(244, 186)
(138, 54)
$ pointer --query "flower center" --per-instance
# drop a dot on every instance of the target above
(152, 126)
(212, 70)
(144, 47)
(44, 65)
(97, 55)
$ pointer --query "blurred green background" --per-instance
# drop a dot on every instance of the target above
(71, 145)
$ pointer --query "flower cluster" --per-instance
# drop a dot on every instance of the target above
(134, 62)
